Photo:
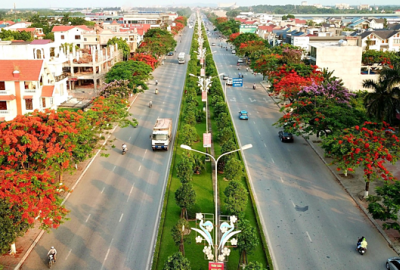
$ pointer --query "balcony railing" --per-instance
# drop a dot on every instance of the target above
(4, 111)
(60, 77)
(5, 92)
(30, 90)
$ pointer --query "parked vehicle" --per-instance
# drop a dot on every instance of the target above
(243, 115)
(162, 134)
(393, 263)
(181, 58)
(170, 54)
(225, 77)
(285, 136)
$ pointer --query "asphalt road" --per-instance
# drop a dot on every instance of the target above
(115, 209)
(311, 222)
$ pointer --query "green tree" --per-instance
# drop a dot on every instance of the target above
(185, 197)
(247, 240)
(136, 72)
(122, 45)
(385, 206)
(188, 134)
(185, 169)
(178, 234)
(225, 134)
(255, 266)
(177, 261)
(11, 226)
(236, 197)
(382, 103)
(233, 169)
(199, 163)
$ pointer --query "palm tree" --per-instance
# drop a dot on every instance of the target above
(392, 75)
(382, 103)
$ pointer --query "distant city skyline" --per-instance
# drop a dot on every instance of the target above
(21, 4)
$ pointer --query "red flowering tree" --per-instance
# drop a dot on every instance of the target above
(145, 58)
(266, 64)
(222, 19)
(182, 20)
(368, 146)
(233, 36)
(252, 48)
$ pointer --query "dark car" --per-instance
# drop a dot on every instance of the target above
(393, 263)
(285, 136)
(170, 54)
(225, 77)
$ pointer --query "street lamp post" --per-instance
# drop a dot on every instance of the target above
(186, 147)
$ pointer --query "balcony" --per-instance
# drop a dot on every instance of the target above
(5, 92)
(61, 77)
(30, 90)
(2, 112)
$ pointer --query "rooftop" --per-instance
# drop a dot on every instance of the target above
(29, 70)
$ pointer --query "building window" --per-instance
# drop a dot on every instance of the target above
(52, 52)
(396, 41)
(30, 85)
(84, 39)
(77, 37)
(3, 105)
(28, 104)
(44, 102)
(97, 39)
(62, 37)
(313, 52)
(2, 85)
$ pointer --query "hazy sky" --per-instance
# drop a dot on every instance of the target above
(104, 3)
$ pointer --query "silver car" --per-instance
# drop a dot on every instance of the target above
(393, 263)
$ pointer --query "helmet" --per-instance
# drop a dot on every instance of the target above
(52, 247)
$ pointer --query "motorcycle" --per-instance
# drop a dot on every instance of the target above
(156, 92)
(156, 82)
(254, 87)
(51, 260)
(150, 104)
(361, 250)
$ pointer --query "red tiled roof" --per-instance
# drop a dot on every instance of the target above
(269, 28)
(29, 70)
(240, 19)
(249, 22)
(7, 22)
(47, 91)
(41, 41)
(64, 28)
(26, 29)
(114, 22)
(6, 97)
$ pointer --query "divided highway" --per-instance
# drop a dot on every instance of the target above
(115, 209)
(311, 222)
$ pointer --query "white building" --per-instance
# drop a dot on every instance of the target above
(27, 85)
(381, 40)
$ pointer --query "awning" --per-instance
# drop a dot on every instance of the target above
(28, 97)
(2, 119)
(6, 97)
(47, 91)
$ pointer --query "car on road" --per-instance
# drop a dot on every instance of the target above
(243, 115)
(233, 51)
(225, 77)
(170, 54)
(240, 60)
(393, 263)
(212, 44)
(285, 136)
(229, 81)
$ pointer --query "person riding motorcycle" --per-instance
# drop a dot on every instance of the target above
(156, 82)
(53, 252)
(150, 104)
(156, 91)
(362, 243)
(254, 86)
(124, 147)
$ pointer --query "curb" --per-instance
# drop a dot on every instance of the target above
(380, 230)
(28, 252)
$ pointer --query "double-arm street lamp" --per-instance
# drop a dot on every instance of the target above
(206, 227)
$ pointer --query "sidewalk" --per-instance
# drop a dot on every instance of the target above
(354, 184)
(24, 244)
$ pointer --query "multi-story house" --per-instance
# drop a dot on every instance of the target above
(70, 34)
(27, 85)
(381, 40)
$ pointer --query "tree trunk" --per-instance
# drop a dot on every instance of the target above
(60, 177)
(366, 189)
(13, 249)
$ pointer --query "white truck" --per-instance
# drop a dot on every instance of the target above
(181, 58)
(162, 134)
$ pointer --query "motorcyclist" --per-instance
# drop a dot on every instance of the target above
(156, 92)
(150, 104)
(362, 243)
(247, 69)
(156, 82)
(124, 147)
(254, 86)
(53, 252)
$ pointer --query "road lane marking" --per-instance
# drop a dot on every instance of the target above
(293, 203)
(130, 137)
(254, 122)
(121, 217)
(108, 251)
(309, 237)
(272, 160)
(87, 218)
(68, 254)
(114, 168)
(140, 167)
(102, 190)
(265, 145)
(259, 132)
(281, 179)
(144, 154)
